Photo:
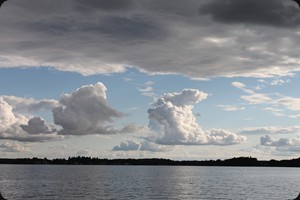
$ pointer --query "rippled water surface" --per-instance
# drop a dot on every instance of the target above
(41, 182)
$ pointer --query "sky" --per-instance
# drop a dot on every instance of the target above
(203, 79)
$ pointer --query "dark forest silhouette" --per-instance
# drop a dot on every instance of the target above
(240, 161)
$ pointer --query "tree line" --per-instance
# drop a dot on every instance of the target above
(81, 160)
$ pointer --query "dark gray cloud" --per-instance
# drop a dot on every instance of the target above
(37, 125)
(281, 144)
(130, 28)
(111, 5)
(269, 141)
(266, 12)
(153, 36)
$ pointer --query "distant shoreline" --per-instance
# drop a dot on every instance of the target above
(239, 161)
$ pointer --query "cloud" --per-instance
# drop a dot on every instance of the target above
(270, 130)
(242, 86)
(12, 124)
(199, 39)
(112, 5)
(37, 125)
(82, 112)
(269, 141)
(276, 99)
(84, 152)
(7, 117)
(20, 104)
(147, 90)
(13, 147)
(294, 116)
(23, 137)
(291, 144)
(131, 145)
(252, 97)
(289, 102)
(153, 147)
(238, 85)
(132, 128)
(85, 111)
(282, 145)
(278, 82)
(9, 120)
(231, 107)
(173, 122)
(268, 12)
(62, 147)
(257, 98)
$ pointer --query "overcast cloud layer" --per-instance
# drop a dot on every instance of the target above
(216, 38)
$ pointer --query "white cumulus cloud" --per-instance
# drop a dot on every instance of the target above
(281, 144)
(85, 111)
(12, 125)
(131, 145)
(173, 122)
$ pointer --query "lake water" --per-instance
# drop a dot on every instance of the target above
(50, 182)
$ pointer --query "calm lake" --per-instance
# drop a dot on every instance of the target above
(41, 182)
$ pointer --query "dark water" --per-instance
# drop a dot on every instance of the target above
(41, 182)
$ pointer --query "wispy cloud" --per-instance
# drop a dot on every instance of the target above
(275, 102)
(20, 104)
(270, 130)
(147, 90)
(257, 98)
(231, 107)
(290, 103)
(243, 87)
